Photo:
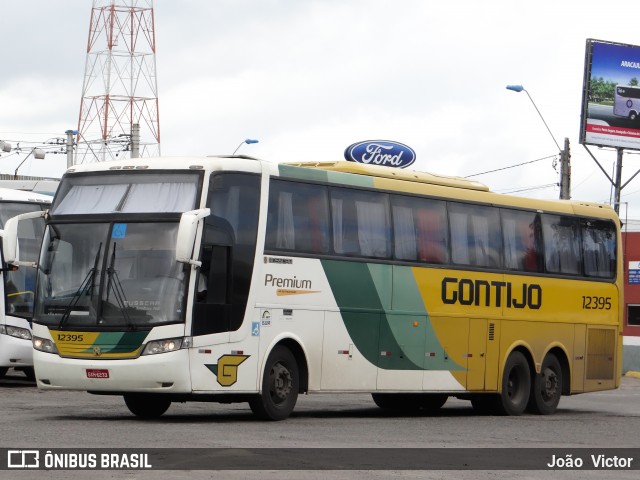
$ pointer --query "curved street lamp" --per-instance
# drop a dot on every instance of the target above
(37, 153)
(565, 175)
(248, 141)
(520, 88)
(5, 146)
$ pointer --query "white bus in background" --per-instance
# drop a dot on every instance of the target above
(17, 285)
(626, 102)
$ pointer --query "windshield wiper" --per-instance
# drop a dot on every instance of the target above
(87, 285)
(113, 281)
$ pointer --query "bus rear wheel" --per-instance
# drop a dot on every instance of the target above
(146, 405)
(547, 387)
(516, 385)
(280, 386)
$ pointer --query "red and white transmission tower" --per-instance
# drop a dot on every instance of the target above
(120, 90)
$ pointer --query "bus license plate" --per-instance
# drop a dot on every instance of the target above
(97, 373)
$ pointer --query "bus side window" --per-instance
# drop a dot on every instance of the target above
(561, 244)
(599, 246)
(431, 228)
(521, 240)
(420, 229)
(298, 217)
(475, 234)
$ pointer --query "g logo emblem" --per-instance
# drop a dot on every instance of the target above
(227, 369)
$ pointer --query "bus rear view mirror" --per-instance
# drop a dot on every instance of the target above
(10, 242)
(187, 234)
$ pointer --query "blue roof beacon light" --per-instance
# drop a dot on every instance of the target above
(248, 141)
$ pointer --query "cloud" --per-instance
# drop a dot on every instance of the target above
(309, 78)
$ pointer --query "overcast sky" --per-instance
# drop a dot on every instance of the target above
(309, 77)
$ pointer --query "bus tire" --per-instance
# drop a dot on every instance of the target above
(409, 401)
(396, 401)
(486, 403)
(30, 373)
(433, 401)
(516, 385)
(547, 387)
(280, 386)
(146, 406)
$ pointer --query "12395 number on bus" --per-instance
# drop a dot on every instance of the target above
(596, 303)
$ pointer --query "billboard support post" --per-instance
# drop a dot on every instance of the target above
(618, 183)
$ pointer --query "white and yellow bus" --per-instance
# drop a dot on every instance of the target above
(237, 280)
(17, 285)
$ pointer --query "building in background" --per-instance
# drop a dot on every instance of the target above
(631, 246)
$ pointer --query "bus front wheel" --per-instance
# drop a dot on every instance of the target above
(547, 387)
(280, 386)
(516, 385)
(146, 405)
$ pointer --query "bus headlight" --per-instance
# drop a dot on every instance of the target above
(23, 333)
(166, 345)
(44, 345)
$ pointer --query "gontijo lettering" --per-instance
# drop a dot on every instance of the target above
(490, 294)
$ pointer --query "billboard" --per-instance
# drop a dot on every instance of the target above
(611, 95)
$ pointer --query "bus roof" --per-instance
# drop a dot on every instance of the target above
(399, 174)
(11, 195)
(412, 181)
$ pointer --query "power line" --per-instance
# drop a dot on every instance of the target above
(511, 166)
(539, 187)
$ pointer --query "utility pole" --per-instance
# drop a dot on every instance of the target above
(70, 134)
(135, 140)
(565, 171)
(618, 181)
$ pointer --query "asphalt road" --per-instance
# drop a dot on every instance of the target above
(36, 419)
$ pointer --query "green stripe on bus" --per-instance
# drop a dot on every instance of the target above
(392, 336)
(324, 176)
(118, 342)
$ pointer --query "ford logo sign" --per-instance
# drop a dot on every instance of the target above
(381, 152)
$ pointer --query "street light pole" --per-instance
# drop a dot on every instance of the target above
(565, 157)
(37, 154)
(248, 141)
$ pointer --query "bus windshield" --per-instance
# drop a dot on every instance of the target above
(126, 193)
(110, 275)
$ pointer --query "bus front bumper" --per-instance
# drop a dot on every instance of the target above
(15, 352)
(161, 373)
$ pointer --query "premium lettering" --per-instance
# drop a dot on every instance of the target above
(483, 293)
(283, 282)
